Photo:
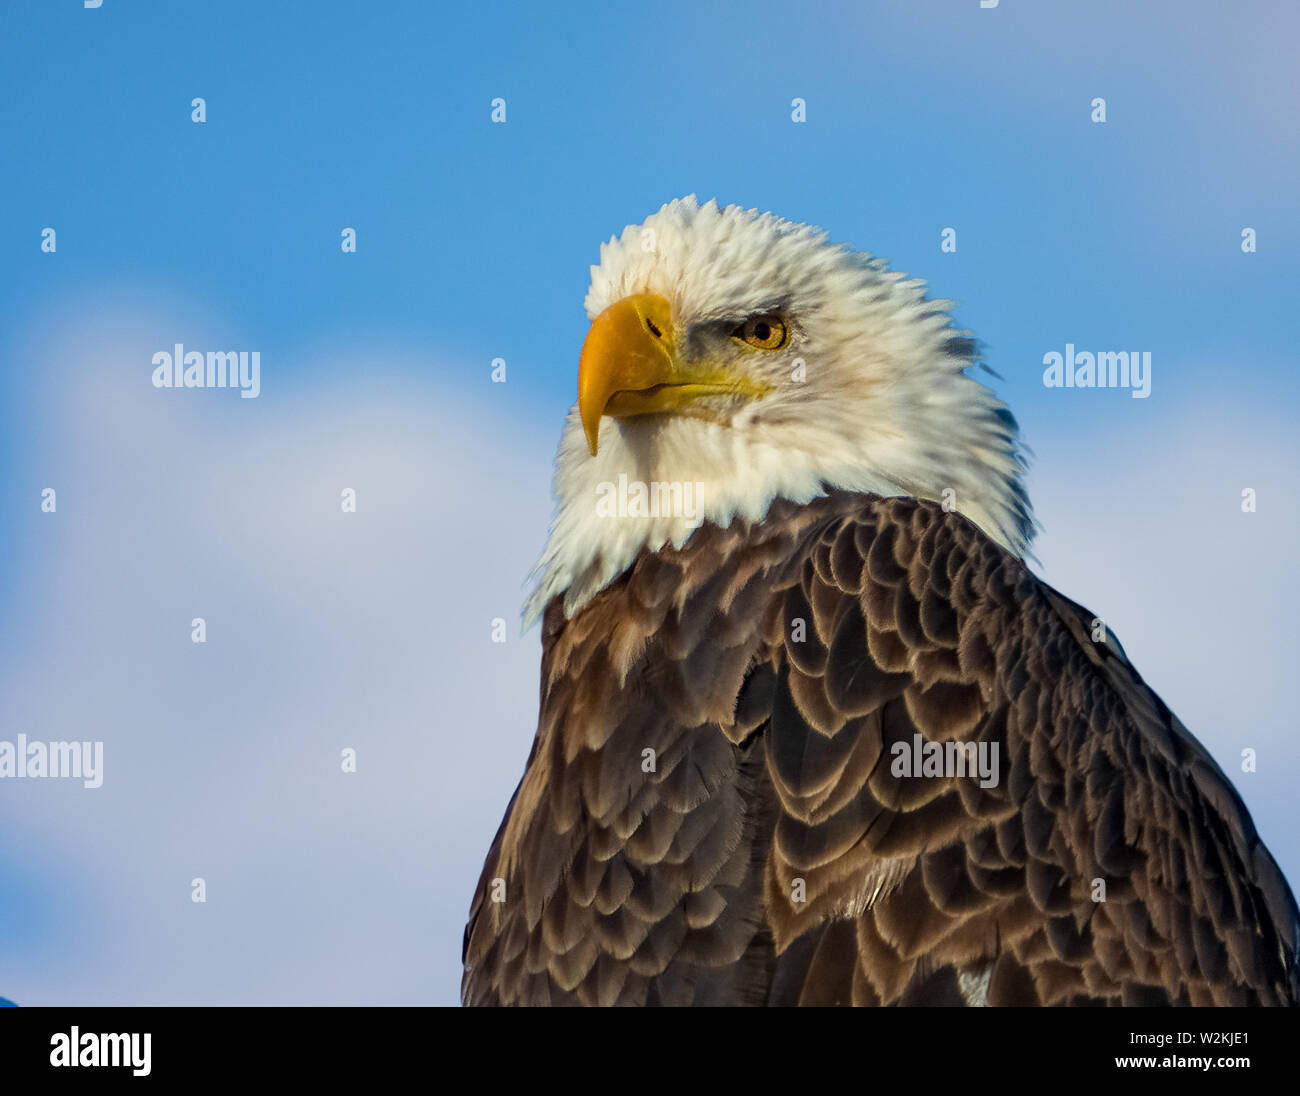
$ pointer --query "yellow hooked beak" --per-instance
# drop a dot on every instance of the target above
(629, 366)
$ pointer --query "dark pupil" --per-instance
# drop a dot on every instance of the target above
(762, 331)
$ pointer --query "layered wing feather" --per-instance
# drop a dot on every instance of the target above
(712, 812)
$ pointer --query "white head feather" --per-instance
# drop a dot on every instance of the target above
(886, 405)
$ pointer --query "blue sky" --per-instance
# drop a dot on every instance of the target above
(474, 242)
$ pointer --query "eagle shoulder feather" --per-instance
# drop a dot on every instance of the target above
(711, 813)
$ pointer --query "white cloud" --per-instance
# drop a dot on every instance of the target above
(325, 630)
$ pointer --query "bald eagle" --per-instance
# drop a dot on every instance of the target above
(810, 730)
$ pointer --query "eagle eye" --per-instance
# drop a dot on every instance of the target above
(766, 332)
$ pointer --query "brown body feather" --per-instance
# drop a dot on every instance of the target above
(764, 852)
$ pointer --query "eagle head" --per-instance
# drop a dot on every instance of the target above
(735, 358)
